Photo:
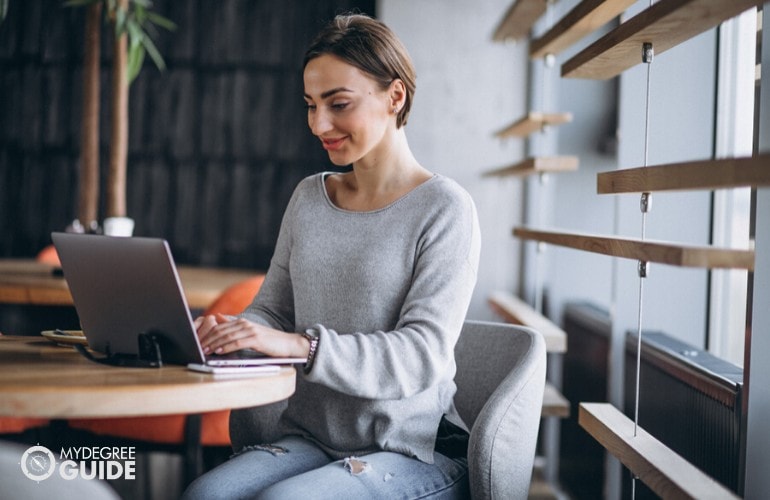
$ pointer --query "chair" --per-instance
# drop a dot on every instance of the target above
(48, 255)
(192, 432)
(16, 425)
(500, 382)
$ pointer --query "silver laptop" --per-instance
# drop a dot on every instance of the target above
(123, 287)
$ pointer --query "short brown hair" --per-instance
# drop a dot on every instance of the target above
(371, 47)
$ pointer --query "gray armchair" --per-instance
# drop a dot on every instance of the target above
(500, 383)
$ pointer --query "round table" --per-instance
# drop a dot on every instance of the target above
(41, 379)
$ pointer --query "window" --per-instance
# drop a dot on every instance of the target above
(730, 220)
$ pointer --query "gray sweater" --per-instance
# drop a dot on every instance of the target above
(386, 292)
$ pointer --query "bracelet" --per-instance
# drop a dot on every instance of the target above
(311, 353)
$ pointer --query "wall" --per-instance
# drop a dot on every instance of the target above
(468, 88)
(568, 200)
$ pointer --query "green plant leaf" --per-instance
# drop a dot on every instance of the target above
(135, 31)
(134, 21)
(140, 14)
(120, 21)
(154, 54)
(161, 21)
(135, 60)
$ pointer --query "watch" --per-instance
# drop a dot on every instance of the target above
(313, 339)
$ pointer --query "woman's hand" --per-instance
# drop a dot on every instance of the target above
(223, 334)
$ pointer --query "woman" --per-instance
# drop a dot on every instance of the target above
(371, 280)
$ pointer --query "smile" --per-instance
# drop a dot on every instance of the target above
(333, 144)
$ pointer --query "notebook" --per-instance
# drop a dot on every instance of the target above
(126, 286)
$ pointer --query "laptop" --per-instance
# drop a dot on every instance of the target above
(126, 286)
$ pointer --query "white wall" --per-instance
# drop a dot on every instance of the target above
(570, 199)
(468, 87)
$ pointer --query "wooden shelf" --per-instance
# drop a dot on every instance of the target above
(666, 24)
(648, 251)
(666, 473)
(541, 489)
(519, 19)
(554, 404)
(534, 121)
(710, 174)
(532, 166)
(516, 311)
(584, 19)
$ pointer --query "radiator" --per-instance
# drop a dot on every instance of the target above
(581, 458)
(690, 401)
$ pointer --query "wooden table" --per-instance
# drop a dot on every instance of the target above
(25, 281)
(41, 379)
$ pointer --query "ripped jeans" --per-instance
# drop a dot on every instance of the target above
(295, 468)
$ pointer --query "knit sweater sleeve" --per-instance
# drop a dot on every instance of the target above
(274, 304)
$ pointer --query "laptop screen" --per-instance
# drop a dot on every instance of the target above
(123, 287)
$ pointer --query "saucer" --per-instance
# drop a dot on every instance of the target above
(65, 337)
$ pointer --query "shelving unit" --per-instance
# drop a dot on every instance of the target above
(585, 18)
(661, 252)
(533, 166)
(658, 28)
(666, 24)
(721, 174)
(519, 19)
(554, 404)
(516, 311)
(665, 472)
(534, 121)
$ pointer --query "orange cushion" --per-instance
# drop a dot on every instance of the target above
(48, 255)
(237, 297)
(166, 429)
(14, 425)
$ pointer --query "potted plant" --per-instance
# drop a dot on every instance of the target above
(129, 20)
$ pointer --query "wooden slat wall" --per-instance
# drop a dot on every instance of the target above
(217, 142)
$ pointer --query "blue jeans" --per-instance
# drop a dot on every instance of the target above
(294, 467)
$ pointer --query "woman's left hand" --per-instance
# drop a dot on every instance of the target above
(222, 334)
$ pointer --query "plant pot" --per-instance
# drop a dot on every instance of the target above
(118, 226)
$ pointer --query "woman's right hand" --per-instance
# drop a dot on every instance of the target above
(221, 334)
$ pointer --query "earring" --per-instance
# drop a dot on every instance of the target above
(395, 110)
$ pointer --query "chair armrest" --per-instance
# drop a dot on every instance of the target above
(503, 439)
